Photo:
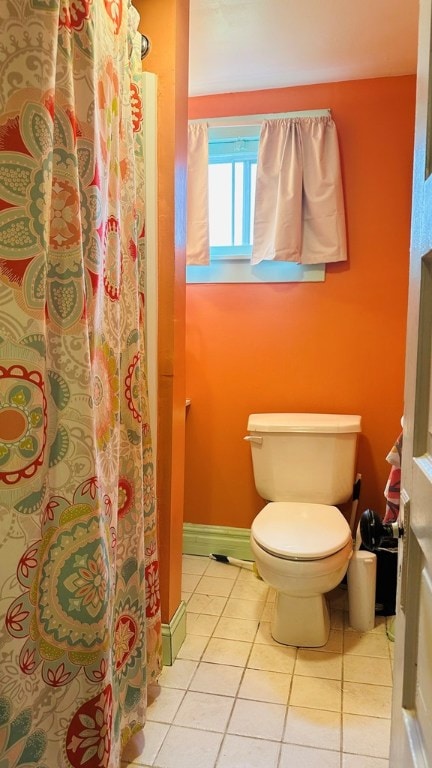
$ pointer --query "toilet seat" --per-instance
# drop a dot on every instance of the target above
(300, 531)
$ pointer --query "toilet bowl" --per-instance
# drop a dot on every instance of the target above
(302, 551)
(303, 466)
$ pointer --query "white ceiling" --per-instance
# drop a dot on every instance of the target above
(244, 45)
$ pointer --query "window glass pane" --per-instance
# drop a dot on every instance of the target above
(220, 206)
(253, 171)
(238, 203)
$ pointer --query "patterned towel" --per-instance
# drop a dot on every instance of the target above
(392, 489)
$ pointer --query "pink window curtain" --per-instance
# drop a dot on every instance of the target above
(299, 209)
(197, 246)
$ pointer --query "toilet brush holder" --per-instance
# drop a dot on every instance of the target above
(361, 590)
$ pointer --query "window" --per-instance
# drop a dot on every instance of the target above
(232, 156)
(232, 176)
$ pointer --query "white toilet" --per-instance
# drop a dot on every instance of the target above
(303, 465)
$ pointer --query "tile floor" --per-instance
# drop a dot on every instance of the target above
(235, 699)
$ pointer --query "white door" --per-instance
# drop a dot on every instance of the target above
(411, 739)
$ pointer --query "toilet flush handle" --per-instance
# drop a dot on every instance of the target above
(253, 439)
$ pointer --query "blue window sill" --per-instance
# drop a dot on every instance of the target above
(226, 271)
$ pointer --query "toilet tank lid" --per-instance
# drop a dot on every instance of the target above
(303, 422)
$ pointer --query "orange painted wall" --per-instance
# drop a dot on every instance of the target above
(336, 346)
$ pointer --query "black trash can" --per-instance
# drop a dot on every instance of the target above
(386, 579)
(376, 537)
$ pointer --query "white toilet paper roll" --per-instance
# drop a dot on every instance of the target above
(361, 590)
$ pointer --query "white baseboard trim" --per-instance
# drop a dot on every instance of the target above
(173, 635)
(217, 539)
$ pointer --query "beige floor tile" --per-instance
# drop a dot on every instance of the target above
(334, 643)
(316, 693)
(194, 564)
(258, 719)
(216, 678)
(211, 585)
(260, 685)
(337, 618)
(231, 652)
(307, 757)
(366, 644)
(250, 590)
(378, 629)
(248, 753)
(313, 728)
(179, 674)
(222, 570)
(235, 629)
(358, 669)
(187, 747)
(244, 609)
(189, 582)
(210, 604)
(360, 761)
(163, 703)
(267, 613)
(247, 574)
(200, 624)
(263, 635)
(318, 664)
(133, 764)
(338, 598)
(144, 746)
(365, 699)
(206, 711)
(193, 647)
(366, 735)
(273, 658)
(228, 627)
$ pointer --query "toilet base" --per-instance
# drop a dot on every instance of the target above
(301, 621)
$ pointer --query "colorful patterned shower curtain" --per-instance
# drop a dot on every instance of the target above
(79, 593)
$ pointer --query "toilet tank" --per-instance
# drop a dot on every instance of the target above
(304, 456)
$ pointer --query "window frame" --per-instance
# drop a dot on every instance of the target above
(243, 251)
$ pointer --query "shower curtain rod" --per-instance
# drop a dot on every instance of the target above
(245, 120)
(145, 46)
